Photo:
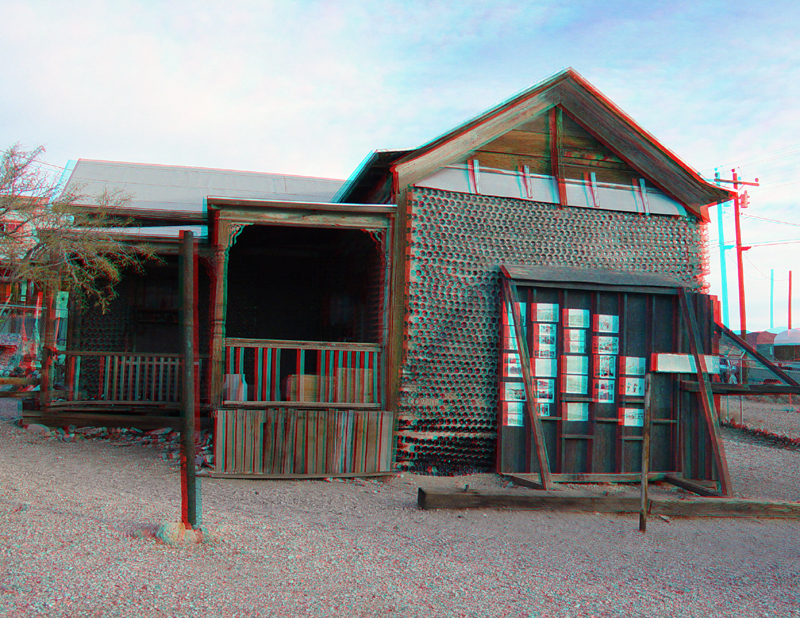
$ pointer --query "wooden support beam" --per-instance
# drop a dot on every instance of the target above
(577, 500)
(720, 388)
(530, 481)
(648, 415)
(706, 398)
(510, 297)
(533, 482)
(777, 371)
(556, 163)
(605, 477)
(690, 486)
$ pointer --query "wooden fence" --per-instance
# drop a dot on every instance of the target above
(269, 371)
(119, 377)
(292, 441)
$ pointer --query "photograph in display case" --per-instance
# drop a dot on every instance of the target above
(632, 387)
(605, 323)
(512, 367)
(632, 366)
(513, 412)
(574, 384)
(574, 341)
(513, 391)
(544, 334)
(575, 365)
(605, 345)
(544, 312)
(605, 366)
(576, 411)
(603, 391)
(631, 417)
(543, 367)
(576, 318)
(545, 391)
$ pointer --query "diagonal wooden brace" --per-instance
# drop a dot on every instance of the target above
(510, 297)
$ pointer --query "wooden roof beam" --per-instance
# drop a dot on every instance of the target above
(413, 170)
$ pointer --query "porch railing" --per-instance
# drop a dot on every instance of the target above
(119, 377)
(269, 372)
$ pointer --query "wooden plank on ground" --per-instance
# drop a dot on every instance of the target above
(557, 500)
(294, 477)
(725, 507)
(572, 500)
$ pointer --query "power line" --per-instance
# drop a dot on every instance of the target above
(762, 158)
(770, 220)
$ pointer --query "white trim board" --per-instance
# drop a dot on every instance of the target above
(541, 188)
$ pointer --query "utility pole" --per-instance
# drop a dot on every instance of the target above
(771, 298)
(790, 300)
(739, 265)
(740, 202)
(723, 267)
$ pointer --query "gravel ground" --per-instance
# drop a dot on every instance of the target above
(772, 414)
(71, 544)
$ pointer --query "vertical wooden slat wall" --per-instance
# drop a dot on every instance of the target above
(291, 441)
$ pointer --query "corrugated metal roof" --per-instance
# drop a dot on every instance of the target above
(184, 189)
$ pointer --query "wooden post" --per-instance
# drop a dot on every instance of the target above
(510, 296)
(556, 165)
(218, 300)
(645, 450)
(790, 301)
(189, 511)
(48, 347)
(706, 400)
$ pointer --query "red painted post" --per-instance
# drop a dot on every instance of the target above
(189, 504)
(742, 313)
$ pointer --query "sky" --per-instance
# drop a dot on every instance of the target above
(311, 88)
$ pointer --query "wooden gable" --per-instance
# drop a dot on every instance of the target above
(531, 145)
(591, 135)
